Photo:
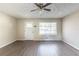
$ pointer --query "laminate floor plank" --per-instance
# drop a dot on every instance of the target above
(38, 48)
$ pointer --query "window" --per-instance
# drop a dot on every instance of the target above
(48, 28)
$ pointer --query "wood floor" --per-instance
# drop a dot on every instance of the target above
(37, 48)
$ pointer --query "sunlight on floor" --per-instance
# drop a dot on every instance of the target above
(48, 50)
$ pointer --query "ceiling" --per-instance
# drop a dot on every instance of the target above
(22, 10)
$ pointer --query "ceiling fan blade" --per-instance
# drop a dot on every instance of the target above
(34, 10)
(46, 5)
(47, 9)
(38, 5)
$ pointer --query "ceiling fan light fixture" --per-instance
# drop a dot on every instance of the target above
(40, 11)
(41, 7)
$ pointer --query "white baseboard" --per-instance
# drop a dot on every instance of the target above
(76, 49)
(36, 40)
(7, 44)
(71, 45)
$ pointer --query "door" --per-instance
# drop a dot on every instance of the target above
(31, 31)
(48, 30)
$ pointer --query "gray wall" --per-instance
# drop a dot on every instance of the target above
(7, 30)
(71, 30)
(21, 26)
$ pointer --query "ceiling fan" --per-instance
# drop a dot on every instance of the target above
(42, 6)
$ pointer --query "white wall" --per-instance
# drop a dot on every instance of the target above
(7, 30)
(21, 26)
(71, 29)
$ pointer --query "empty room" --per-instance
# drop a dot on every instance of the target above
(39, 29)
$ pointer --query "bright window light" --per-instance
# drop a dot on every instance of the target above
(48, 28)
